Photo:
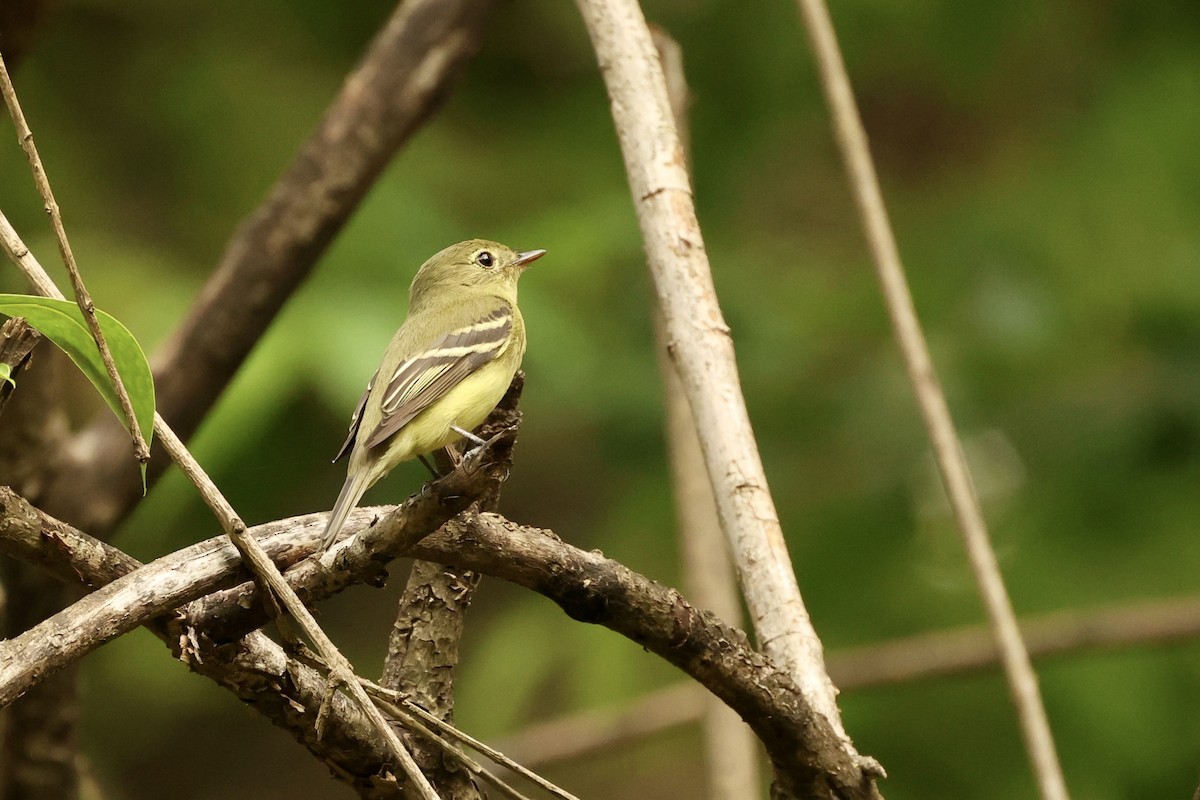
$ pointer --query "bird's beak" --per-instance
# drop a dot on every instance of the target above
(528, 257)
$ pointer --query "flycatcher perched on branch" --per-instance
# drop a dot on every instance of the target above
(445, 369)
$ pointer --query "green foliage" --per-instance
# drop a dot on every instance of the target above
(62, 322)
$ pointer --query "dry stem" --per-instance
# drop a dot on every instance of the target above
(852, 141)
(699, 342)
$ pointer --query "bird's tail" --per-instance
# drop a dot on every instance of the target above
(353, 489)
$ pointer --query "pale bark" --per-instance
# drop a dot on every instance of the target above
(699, 342)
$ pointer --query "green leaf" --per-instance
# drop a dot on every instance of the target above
(62, 322)
(6, 375)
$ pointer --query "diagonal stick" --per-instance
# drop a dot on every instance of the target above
(852, 141)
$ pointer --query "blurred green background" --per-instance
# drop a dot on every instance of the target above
(1042, 166)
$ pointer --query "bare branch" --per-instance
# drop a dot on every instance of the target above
(852, 141)
(127, 601)
(82, 298)
(19, 254)
(699, 342)
(807, 753)
(805, 750)
(405, 709)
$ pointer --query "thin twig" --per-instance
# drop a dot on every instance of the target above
(25, 261)
(454, 753)
(405, 706)
(699, 342)
(82, 297)
(852, 141)
(264, 570)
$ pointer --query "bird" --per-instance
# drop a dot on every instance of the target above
(445, 369)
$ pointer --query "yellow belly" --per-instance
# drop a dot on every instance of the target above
(466, 406)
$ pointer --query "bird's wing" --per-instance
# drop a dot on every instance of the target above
(423, 379)
(348, 445)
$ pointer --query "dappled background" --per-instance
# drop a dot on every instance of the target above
(1040, 161)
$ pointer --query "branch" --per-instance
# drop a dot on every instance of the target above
(401, 80)
(127, 601)
(699, 342)
(289, 692)
(805, 750)
(82, 297)
(852, 141)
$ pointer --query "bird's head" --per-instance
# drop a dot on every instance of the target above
(475, 264)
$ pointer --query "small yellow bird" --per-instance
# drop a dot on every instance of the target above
(444, 371)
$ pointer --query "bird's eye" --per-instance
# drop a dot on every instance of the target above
(485, 259)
